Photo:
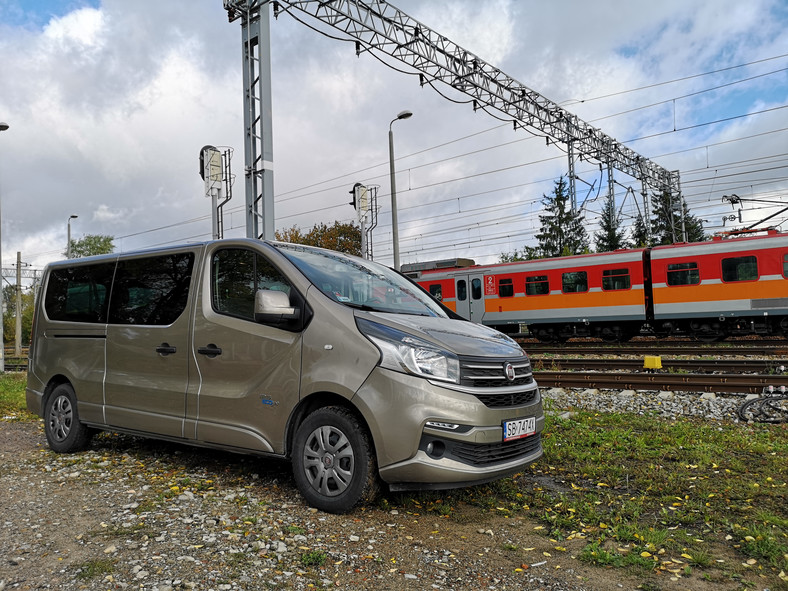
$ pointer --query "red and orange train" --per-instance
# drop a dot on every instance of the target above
(709, 290)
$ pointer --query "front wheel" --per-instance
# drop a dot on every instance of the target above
(333, 461)
(64, 432)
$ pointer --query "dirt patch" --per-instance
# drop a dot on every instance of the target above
(21, 437)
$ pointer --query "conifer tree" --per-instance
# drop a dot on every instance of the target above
(563, 232)
(666, 221)
(611, 235)
(639, 235)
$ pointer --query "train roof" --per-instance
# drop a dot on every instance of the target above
(716, 244)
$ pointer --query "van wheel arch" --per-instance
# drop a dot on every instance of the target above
(54, 382)
(64, 431)
(334, 463)
(309, 405)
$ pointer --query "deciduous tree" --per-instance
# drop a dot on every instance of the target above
(342, 237)
(91, 244)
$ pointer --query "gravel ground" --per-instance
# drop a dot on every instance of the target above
(131, 513)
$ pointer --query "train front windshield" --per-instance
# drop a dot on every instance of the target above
(359, 283)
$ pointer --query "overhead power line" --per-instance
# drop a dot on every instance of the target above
(379, 26)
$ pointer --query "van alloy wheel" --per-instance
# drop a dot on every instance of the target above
(64, 431)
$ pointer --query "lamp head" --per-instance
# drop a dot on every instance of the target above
(3, 125)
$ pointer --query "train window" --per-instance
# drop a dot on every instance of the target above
(574, 282)
(613, 279)
(476, 289)
(785, 266)
(462, 290)
(537, 285)
(436, 291)
(505, 288)
(683, 274)
(740, 269)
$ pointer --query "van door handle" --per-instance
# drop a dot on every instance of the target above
(165, 349)
(210, 351)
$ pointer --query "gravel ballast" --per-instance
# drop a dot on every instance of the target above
(131, 513)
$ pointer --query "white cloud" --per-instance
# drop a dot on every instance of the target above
(81, 30)
(105, 213)
(109, 107)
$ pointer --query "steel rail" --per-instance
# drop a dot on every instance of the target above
(769, 366)
(771, 348)
(728, 383)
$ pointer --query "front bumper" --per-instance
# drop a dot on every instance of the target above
(463, 446)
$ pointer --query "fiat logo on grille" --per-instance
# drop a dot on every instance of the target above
(508, 369)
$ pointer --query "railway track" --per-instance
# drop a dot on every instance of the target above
(764, 366)
(685, 382)
(753, 348)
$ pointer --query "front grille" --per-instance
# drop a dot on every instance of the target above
(487, 454)
(487, 373)
(501, 400)
(487, 378)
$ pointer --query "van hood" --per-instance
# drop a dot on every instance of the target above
(459, 336)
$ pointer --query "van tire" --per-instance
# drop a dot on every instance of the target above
(64, 432)
(333, 461)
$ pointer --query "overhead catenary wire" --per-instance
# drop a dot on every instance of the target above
(686, 184)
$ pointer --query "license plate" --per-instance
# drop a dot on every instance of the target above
(519, 428)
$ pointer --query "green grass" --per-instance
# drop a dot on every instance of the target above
(313, 558)
(94, 568)
(711, 494)
(12, 397)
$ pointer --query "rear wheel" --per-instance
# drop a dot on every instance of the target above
(333, 461)
(64, 432)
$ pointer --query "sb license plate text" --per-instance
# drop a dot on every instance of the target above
(519, 428)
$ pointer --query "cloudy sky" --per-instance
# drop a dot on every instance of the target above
(109, 102)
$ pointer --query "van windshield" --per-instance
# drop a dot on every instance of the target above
(359, 283)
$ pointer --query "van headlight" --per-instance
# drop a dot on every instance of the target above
(405, 353)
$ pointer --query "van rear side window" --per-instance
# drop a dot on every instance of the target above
(151, 290)
(80, 293)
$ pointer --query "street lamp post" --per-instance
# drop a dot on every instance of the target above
(394, 226)
(68, 236)
(3, 127)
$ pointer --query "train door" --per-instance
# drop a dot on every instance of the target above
(470, 296)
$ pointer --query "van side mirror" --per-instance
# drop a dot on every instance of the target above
(273, 307)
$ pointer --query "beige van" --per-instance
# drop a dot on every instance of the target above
(340, 364)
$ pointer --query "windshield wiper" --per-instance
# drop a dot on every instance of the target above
(365, 307)
(368, 308)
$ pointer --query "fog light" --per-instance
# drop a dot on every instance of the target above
(435, 449)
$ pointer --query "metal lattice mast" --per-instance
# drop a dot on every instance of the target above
(258, 143)
(383, 27)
